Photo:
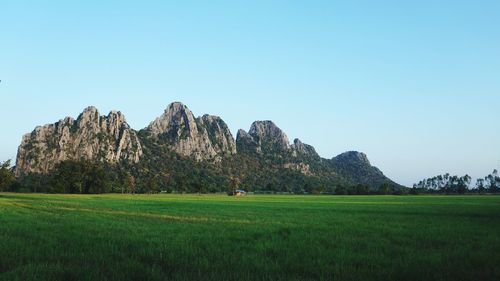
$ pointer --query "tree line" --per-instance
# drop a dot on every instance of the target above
(74, 177)
(90, 177)
(448, 184)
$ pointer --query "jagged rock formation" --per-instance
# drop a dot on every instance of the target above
(179, 149)
(204, 138)
(268, 136)
(246, 143)
(267, 139)
(219, 134)
(302, 149)
(90, 137)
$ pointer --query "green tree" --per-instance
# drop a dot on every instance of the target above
(341, 190)
(81, 177)
(385, 189)
(96, 180)
(7, 177)
(480, 186)
(233, 183)
(130, 184)
(360, 189)
(493, 182)
(463, 184)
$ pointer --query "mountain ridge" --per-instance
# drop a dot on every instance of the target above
(90, 136)
(204, 142)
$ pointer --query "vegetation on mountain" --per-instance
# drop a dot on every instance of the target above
(178, 152)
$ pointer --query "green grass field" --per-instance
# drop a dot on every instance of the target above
(215, 237)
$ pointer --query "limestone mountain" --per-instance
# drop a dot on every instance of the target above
(268, 136)
(265, 137)
(203, 138)
(267, 142)
(181, 152)
(355, 168)
(89, 137)
(246, 143)
(219, 134)
(302, 149)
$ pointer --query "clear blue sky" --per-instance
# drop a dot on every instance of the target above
(414, 84)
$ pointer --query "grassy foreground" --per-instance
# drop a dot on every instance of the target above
(190, 237)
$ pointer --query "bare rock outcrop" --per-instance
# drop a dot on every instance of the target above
(266, 133)
(204, 138)
(90, 137)
(219, 134)
(246, 143)
(305, 169)
(264, 150)
(265, 137)
(301, 149)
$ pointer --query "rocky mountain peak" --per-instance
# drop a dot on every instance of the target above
(89, 114)
(355, 168)
(177, 118)
(268, 135)
(219, 134)
(264, 149)
(115, 123)
(117, 115)
(204, 138)
(301, 148)
(353, 157)
(90, 136)
(211, 118)
(90, 110)
(298, 144)
(242, 134)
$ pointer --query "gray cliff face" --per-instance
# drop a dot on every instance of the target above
(266, 133)
(204, 138)
(246, 143)
(302, 149)
(219, 134)
(177, 121)
(263, 137)
(90, 137)
(304, 168)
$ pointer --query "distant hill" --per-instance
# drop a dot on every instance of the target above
(181, 152)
